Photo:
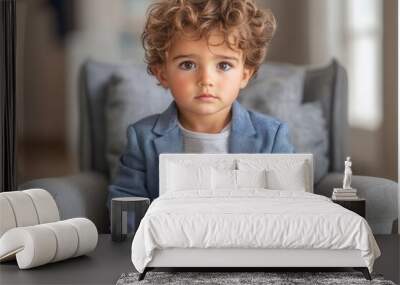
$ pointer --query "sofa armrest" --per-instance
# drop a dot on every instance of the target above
(80, 195)
(380, 195)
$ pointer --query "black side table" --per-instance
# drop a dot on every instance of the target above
(356, 205)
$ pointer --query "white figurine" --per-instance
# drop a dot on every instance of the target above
(347, 174)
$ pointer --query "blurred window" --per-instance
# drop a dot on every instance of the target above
(363, 48)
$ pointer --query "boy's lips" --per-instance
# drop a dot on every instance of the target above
(206, 97)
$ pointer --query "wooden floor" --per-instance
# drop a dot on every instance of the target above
(389, 262)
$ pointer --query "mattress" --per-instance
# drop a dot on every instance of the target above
(250, 219)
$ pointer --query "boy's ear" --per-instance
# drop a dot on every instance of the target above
(159, 72)
(247, 74)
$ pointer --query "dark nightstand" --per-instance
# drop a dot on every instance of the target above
(356, 205)
(124, 208)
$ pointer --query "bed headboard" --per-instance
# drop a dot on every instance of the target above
(231, 161)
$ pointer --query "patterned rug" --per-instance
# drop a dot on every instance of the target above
(243, 278)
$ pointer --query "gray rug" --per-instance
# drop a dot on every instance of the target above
(229, 278)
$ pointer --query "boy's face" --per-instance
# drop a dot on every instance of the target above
(204, 79)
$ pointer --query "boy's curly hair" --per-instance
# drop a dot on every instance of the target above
(251, 27)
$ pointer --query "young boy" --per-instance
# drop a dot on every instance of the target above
(204, 52)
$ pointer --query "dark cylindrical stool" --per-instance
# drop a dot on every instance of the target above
(122, 208)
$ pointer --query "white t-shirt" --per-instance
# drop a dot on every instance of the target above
(197, 142)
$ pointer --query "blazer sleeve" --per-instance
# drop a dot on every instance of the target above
(282, 142)
(130, 178)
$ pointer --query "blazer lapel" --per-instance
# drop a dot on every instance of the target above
(170, 137)
(242, 139)
(171, 142)
(243, 136)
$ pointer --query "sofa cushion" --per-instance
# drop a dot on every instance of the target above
(310, 135)
(278, 91)
(318, 86)
(328, 84)
(132, 95)
(275, 86)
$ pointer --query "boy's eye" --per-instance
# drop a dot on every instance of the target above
(187, 65)
(225, 66)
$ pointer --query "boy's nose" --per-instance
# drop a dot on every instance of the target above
(204, 84)
(205, 78)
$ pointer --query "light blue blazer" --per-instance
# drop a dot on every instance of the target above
(137, 174)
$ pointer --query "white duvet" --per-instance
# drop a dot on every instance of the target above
(252, 218)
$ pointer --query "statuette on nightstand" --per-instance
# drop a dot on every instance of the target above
(347, 174)
(347, 192)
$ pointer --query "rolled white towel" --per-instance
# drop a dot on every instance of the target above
(67, 238)
(26, 208)
(45, 243)
(7, 218)
(32, 246)
(45, 206)
(87, 235)
(24, 211)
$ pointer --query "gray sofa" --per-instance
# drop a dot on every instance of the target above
(85, 194)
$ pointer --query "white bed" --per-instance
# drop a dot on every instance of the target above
(234, 217)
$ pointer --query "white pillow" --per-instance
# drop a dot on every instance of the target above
(251, 178)
(227, 179)
(281, 174)
(293, 179)
(181, 177)
(224, 179)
